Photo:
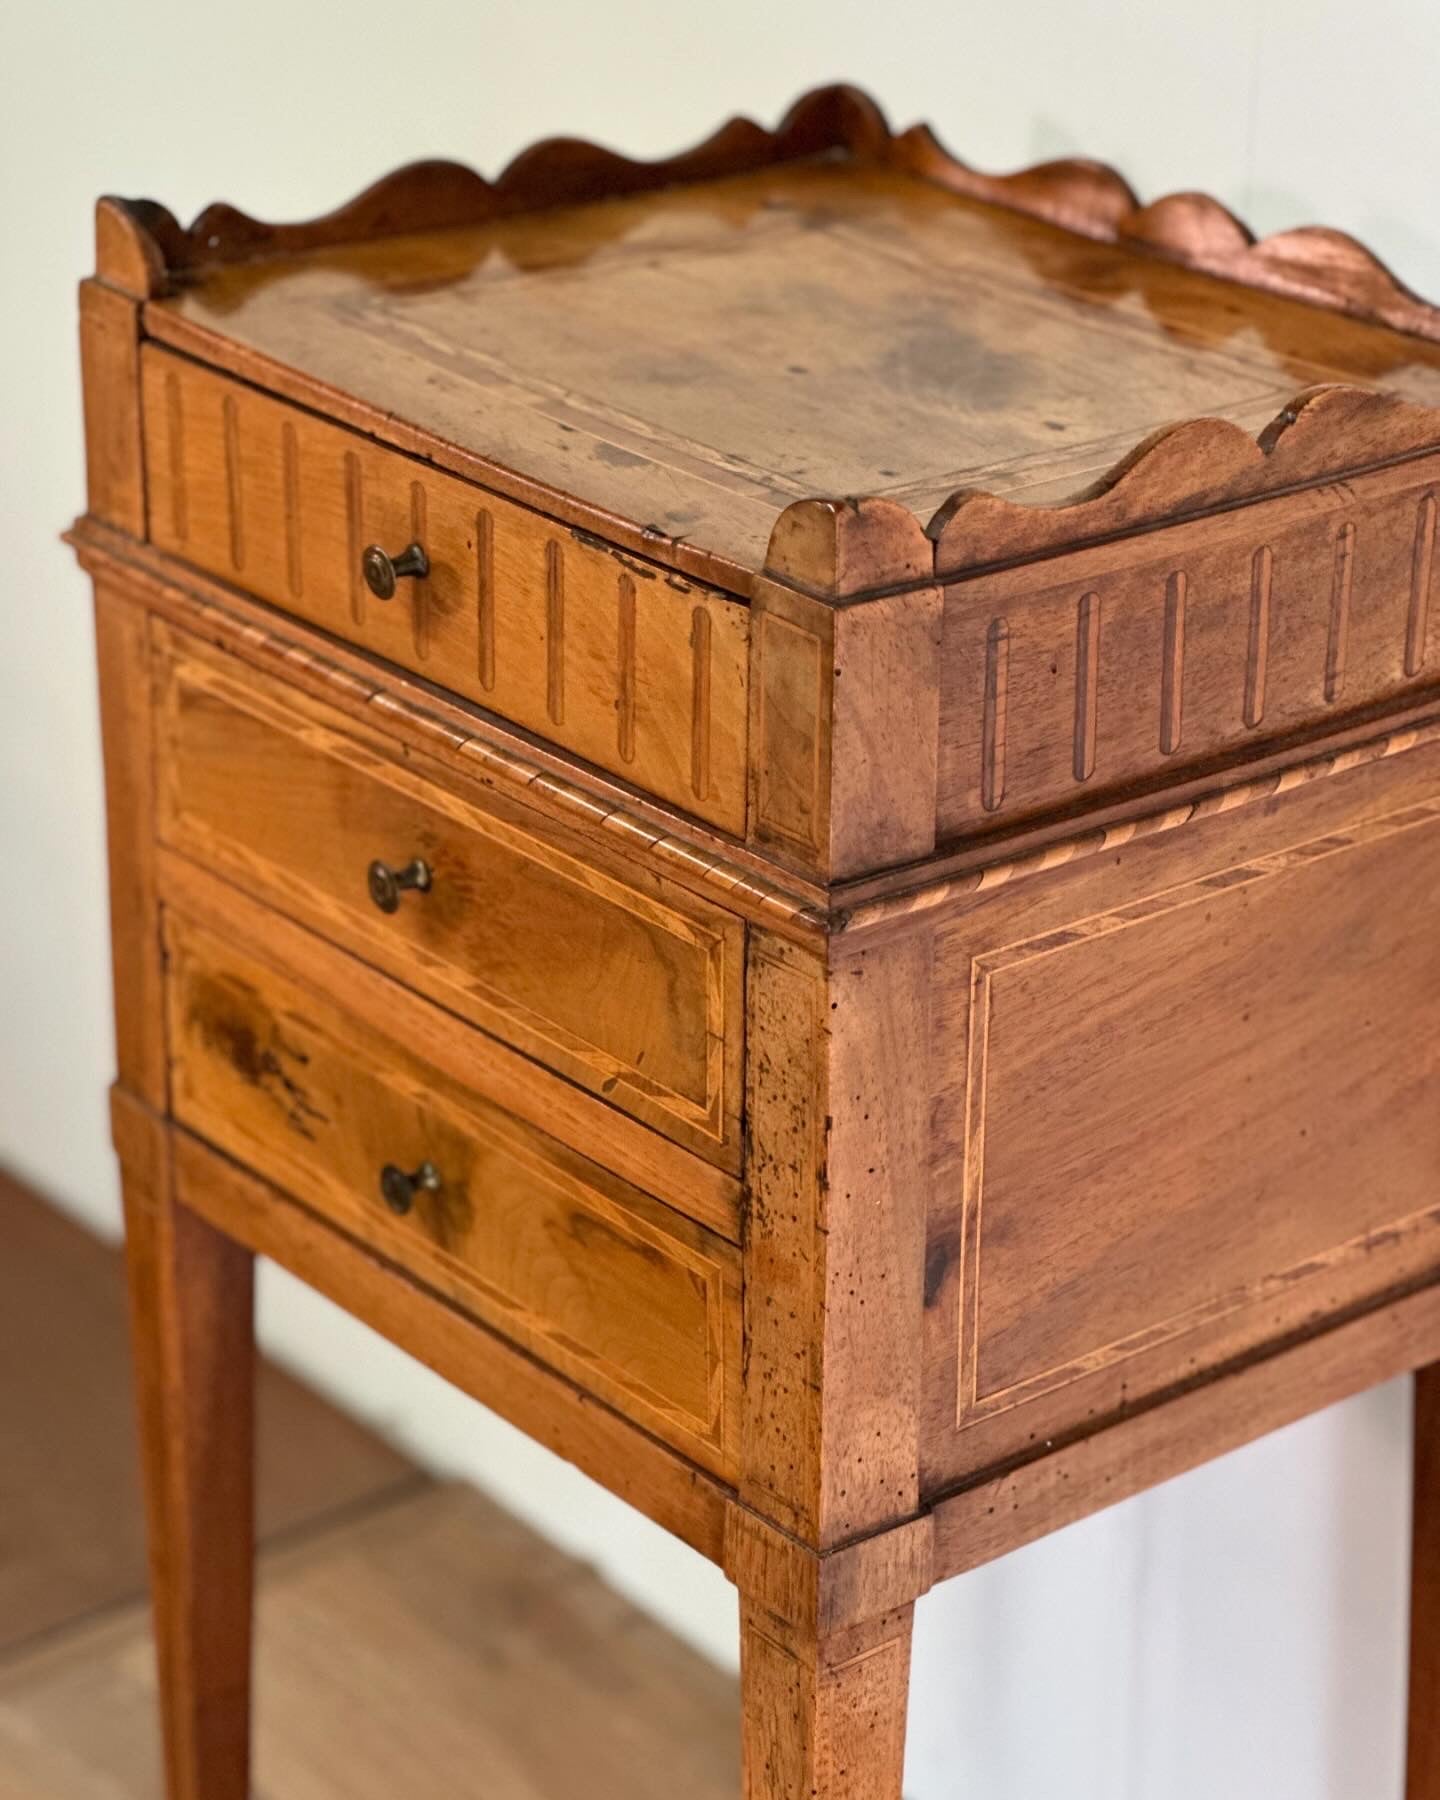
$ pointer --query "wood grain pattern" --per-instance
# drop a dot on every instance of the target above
(1196, 466)
(578, 361)
(1219, 638)
(70, 1491)
(685, 1499)
(548, 607)
(110, 381)
(473, 749)
(876, 1196)
(191, 1312)
(1313, 263)
(441, 195)
(629, 986)
(836, 1165)
(828, 1721)
(781, 1445)
(817, 1593)
(1076, 844)
(407, 1649)
(127, 726)
(1181, 1430)
(1214, 1171)
(1356, 749)
(824, 1659)
(143, 245)
(792, 653)
(884, 749)
(621, 1294)
(844, 723)
(506, 1077)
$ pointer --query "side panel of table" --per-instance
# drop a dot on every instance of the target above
(1185, 1106)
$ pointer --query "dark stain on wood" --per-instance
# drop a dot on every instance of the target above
(231, 1021)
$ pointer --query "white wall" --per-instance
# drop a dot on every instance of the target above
(1236, 1633)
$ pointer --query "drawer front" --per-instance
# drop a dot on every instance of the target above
(1191, 1108)
(628, 1298)
(632, 988)
(642, 673)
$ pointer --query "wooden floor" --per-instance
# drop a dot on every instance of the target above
(414, 1640)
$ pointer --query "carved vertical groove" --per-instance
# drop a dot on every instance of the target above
(1172, 671)
(625, 668)
(555, 631)
(997, 683)
(1422, 565)
(420, 600)
(1336, 649)
(485, 592)
(233, 490)
(175, 436)
(1087, 683)
(700, 703)
(290, 461)
(355, 533)
(1262, 567)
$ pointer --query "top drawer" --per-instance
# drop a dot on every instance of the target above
(636, 670)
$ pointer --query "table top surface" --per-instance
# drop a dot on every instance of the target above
(697, 358)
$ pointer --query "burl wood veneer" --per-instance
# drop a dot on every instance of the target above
(780, 808)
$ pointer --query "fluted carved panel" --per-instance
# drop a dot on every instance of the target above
(639, 671)
(1107, 669)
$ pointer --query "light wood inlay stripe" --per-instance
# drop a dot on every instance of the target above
(700, 628)
(625, 667)
(290, 461)
(555, 631)
(1337, 648)
(354, 533)
(1262, 566)
(233, 489)
(485, 590)
(1103, 839)
(1421, 569)
(420, 598)
(175, 439)
(997, 684)
(1087, 684)
(1172, 672)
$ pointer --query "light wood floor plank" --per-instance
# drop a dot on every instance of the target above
(415, 1642)
(436, 1649)
(71, 1526)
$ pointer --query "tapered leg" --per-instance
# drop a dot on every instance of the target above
(1422, 1780)
(191, 1293)
(824, 1719)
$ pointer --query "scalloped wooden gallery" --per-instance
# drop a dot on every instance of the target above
(779, 808)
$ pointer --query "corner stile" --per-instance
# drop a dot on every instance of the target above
(845, 675)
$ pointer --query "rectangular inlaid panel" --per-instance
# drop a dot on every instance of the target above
(1183, 1116)
(637, 670)
(633, 988)
(1068, 680)
(627, 1297)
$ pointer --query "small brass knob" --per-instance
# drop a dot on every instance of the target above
(387, 884)
(381, 572)
(398, 1187)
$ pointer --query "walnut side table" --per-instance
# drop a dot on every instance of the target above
(782, 810)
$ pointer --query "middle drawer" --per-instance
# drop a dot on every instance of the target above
(631, 987)
(627, 1297)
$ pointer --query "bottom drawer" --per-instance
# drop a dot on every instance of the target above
(625, 1295)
